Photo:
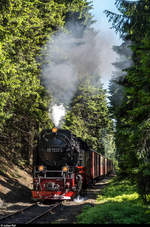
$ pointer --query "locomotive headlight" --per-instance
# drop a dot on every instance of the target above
(54, 130)
(65, 169)
(41, 168)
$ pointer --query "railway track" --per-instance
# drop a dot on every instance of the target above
(29, 214)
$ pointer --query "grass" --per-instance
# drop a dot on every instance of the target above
(119, 203)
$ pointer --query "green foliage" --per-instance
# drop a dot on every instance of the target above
(118, 204)
(115, 213)
(126, 23)
(25, 27)
(89, 118)
(132, 115)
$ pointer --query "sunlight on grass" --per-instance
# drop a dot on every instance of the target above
(120, 198)
(119, 203)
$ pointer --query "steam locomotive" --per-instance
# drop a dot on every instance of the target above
(64, 166)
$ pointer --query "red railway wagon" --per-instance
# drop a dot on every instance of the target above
(101, 166)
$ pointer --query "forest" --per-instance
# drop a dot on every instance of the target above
(26, 28)
(120, 128)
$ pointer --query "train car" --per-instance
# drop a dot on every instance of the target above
(64, 166)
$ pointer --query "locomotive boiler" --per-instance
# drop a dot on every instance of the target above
(64, 165)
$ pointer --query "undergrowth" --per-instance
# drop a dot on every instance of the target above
(119, 203)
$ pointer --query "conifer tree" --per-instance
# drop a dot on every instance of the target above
(133, 115)
(89, 117)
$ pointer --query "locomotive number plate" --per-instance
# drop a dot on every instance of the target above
(54, 149)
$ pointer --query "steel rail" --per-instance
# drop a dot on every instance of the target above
(17, 212)
(26, 216)
(42, 214)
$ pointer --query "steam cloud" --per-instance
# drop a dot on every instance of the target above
(71, 58)
(58, 112)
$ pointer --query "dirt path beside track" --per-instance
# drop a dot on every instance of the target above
(68, 212)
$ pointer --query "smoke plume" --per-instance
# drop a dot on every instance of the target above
(70, 58)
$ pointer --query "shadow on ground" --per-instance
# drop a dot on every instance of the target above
(17, 192)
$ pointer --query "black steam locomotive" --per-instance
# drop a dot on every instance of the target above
(64, 165)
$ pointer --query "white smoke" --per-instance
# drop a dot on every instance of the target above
(58, 113)
(71, 58)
